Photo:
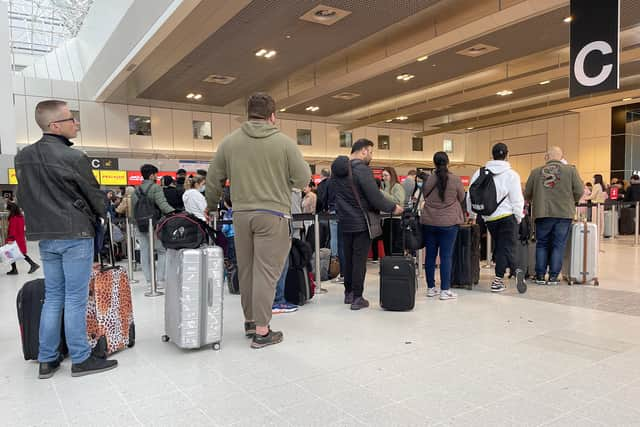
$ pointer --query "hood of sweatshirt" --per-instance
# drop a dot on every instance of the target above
(259, 129)
(340, 167)
(498, 166)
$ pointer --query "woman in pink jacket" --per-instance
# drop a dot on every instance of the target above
(15, 233)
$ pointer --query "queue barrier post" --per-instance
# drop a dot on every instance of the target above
(153, 292)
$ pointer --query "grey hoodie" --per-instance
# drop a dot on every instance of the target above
(262, 165)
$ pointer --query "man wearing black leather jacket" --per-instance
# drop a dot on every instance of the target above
(62, 203)
(357, 194)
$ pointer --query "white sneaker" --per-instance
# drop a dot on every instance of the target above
(432, 292)
(445, 295)
(339, 279)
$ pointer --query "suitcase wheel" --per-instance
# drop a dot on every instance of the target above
(132, 335)
(215, 346)
(165, 338)
(596, 282)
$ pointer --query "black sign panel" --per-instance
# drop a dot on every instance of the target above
(595, 46)
(104, 163)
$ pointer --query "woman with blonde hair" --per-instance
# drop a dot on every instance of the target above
(194, 201)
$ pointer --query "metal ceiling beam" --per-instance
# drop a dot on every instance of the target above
(503, 18)
(532, 79)
(548, 110)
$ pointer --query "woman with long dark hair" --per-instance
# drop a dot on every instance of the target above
(441, 216)
(598, 193)
(391, 228)
(15, 233)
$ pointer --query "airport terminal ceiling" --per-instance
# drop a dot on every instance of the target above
(360, 63)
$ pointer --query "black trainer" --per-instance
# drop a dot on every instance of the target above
(540, 280)
(521, 284)
(93, 365)
(273, 337)
(359, 303)
(34, 268)
(47, 369)
(249, 329)
(348, 298)
(553, 281)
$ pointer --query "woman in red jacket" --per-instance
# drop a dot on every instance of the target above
(15, 233)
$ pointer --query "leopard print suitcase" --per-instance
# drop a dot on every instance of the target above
(110, 324)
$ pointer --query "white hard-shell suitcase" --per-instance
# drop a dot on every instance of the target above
(581, 256)
(193, 300)
(608, 224)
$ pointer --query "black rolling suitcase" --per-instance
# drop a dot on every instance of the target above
(465, 269)
(627, 224)
(29, 304)
(398, 282)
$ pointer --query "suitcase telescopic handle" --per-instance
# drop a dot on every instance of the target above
(210, 292)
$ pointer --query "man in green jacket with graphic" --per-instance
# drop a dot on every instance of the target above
(553, 190)
(263, 165)
(154, 192)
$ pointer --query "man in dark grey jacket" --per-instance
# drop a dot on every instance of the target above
(153, 191)
(62, 203)
(356, 194)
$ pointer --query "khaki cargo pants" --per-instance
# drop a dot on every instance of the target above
(262, 246)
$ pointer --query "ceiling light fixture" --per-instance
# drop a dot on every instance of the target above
(568, 19)
(546, 82)
(470, 128)
(388, 120)
(405, 77)
(190, 95)
(270, 54)
(282, 110)
(312, 108)
(504, 92)
(402, 118)
(261, 52)
(627, 99)
(198, 96)
(423, 58)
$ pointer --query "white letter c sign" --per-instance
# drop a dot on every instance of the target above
(578, 68)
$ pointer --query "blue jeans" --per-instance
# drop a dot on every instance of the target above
(335, 237)
(439, 239)
(551, 239)
(67, 270)
(279, 299)
(341, 250)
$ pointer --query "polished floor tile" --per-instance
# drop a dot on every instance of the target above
(561, 356)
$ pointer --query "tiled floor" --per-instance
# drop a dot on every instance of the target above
(558, 357)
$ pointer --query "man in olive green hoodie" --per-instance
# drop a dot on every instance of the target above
(553, 190)
(263, 166)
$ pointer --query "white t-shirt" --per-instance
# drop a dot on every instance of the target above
(194, 203)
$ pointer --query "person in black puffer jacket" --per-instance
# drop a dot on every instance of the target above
(633, 192)
(172, 194)
(349, 174)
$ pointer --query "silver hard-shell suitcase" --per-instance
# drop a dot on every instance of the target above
(580, 263)
(193, 300)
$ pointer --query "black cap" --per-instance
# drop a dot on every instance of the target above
(181, 171)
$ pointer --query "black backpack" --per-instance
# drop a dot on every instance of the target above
(483, 194)
(184, 231)
(144, 209)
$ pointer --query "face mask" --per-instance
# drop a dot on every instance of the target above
(201, 189)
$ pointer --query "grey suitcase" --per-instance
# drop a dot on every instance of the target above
(193, 300)
(580, 263)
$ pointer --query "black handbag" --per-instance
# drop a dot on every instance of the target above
(373, 219)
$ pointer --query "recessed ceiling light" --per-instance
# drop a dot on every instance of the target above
(325, 15)
(198, 96)
(568, 19)
(261, 52)
(627, 99)
(402, 118)
(546, 82)
(288, 36)
(433, 65)
(282, 110)
(219, 79)
(148, 121)
(389, 120)
(504, 92)
(270, 54)
(477, 50)
(423, 58)
(405, 77)
(190, 95)
(346, 96)
(312, 108)
(470, 128)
